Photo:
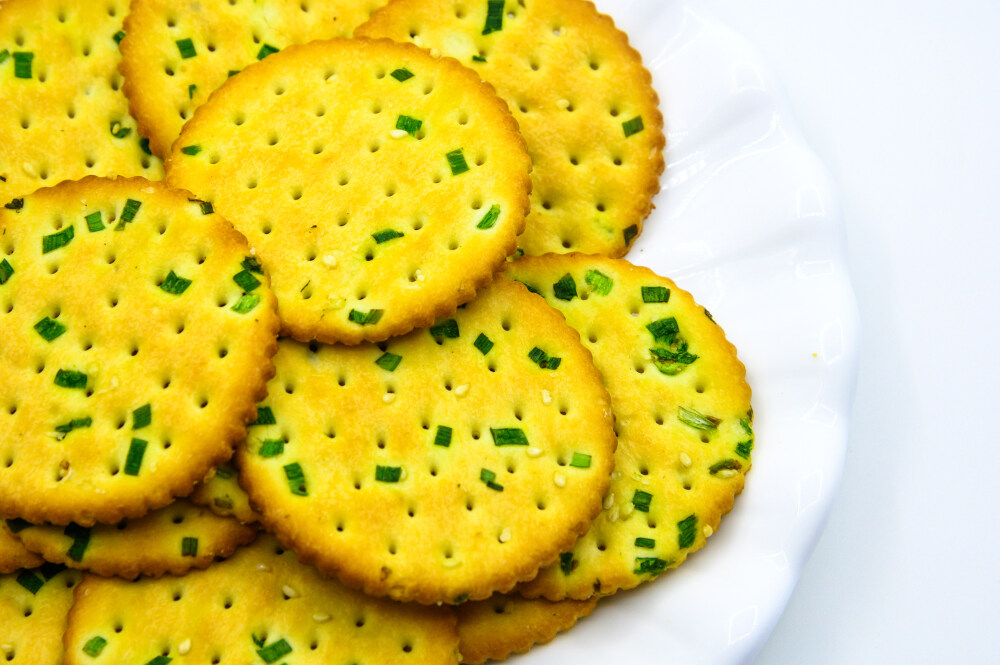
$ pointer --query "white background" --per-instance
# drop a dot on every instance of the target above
(901, 100)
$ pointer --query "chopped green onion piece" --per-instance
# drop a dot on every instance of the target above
(732, 464)
(645, 543)
(530, 288)
(265, 416)
(274, 651)
(224, 472)
(655, 294)
(456, 160)
(133, 461)
(370, 317)
(649, 565)
(252, 264)
(401, 74)
(56, 240)
(389, 361)
(633, 126)
(4, 54)
(508, 436)
(580, 461)
(296, 479)
(191, 89)
(709, 315)
(664, 330)
(128, 213)
(388, 474)
(17, 525)
(206, 206)
(81, 539)
(246, 304)
(6, 270)
(174, 284)
(68, 378)
(447, 328)
(543, 359)
(118, 130)
(266, 50)
(30, 581)
(160, 660)
(246, 280)
(489, 478)
(119, 36)
(186, 47)
(189, 547)
(478, 58)
(271, 447)
(697, 420)
(687, 529)
(483, 343)
(630, 233)
(494, 16)
(743, 448)
(602, 283)
(232, 73)
(191, 150)
(15, 204)
(76, 423)
(386, 235)
(490, 218)
(258, 641)
(408, 124)
(142, 416)
(94, 646)
(49, 329)
(443, 436)
(670, 362)
(566, 563)
(641, 500)
(94, 222)
(144, 144)
(22, 64)
(565, 288)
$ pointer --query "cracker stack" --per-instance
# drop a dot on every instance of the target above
(456, 451)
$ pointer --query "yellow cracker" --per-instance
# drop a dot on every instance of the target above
(367, 230)
(33, 609)
(125, 371)
(576, 88)
(223, 495)
(260, 606)
(497, 627)
(683, 423)
(62, 113)
(171, 540)
(429, 470)
(14, 556)
(164, 87)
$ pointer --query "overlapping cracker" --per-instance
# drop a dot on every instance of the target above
(683, 420)
(497, 627)
(33, 609)
(170, 540)
(223, 495)
(175, 54)
(440, 466)
(137, 333)
(261, 605)
(381, 187)
(62, 113)
(14, 556)
(584, 102)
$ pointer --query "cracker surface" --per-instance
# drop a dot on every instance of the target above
(581, 96)
(137, 332)
(63, 115)
(381, 187)
(440, 466)
(683, 419)
(175, 54)
(33, 609)
(14, 556)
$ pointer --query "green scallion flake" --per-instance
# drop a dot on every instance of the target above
(174, 284)
(144, 144)
(743, 448)
(447, 328)
(296, 479)
(252, 264)
(543, 359)
(68, 378)
(54, 241)
(630, 233)
(709, 315)
(50, 570)
(49, 329)
(580, 461)
(76, 423)
(189, 547)
(128, 213)
(388, 474)
(370, 317)
(118, 130)
(478, 58)
(664, 330)
(490, 218)
(641, 500)
(160, 660)
(224, 472)
(443, 436)
(401, 74)
(694, 419)
(686, 531)
(655, 294)
(633, 126)
(186, 47)
(142, 416)
(732, 464)
(206, 207)
(258, 641)
(30, 581)
(565, 288)
(265, 416)
(22, 64)
(246, 280)
(81, 539)
(456, 160)
(494, 16)
(389, 361)
(266, 50)
(15, 204)
(232, 73)
(133, 461)
(6, 270)
(602, 283)
(566, 563)
(274, 651)
(95, 222)
(4, 54)
(191, 90)
(386, 235)
(191, 150)
(17, 525)
(645, 543)
(271, 447)
(671, 362)
(483, 343)
(118, 37)
(508, 436)
(649, 565)
(94, 646)
(489, 478)
(408, 124)
(246, 304)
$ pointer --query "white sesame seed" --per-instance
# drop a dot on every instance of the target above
(321, 618)
(419, 275)
(253, 251)
(6, 647)
(560, 479)
(462, 390)
(29, 169)
(389, 398)
(613, 515)
(563, 103)
(263, 567)
(685, 460)
(609, 501)
(505, 534)
(329, 260)
(289, 591)
(546, 397)
(184, 647)
(727, 473)
(148, 190)
(708, 531)
(532, 451)
(397, 133)
(402, 474)
(435, 53)
(629, 507)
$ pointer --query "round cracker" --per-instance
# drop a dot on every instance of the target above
(34, 605)
(441, 466)
(14, 556)
(582, 98)
(367, 230)
(223, 495)
(132, 357)
(170, 540)
(259, 606)
(62, 113)
(683, 423)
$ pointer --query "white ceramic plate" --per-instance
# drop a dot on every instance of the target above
(748, 222)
